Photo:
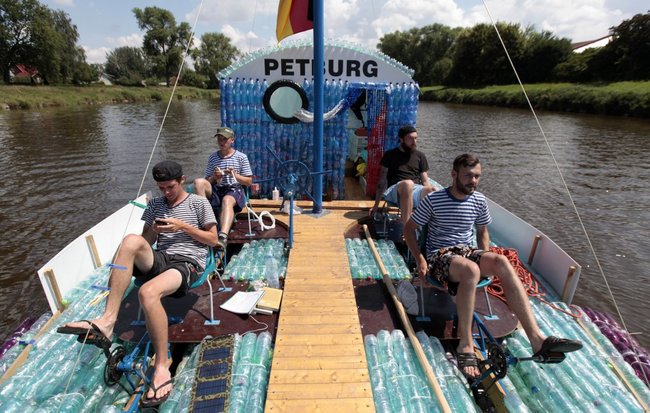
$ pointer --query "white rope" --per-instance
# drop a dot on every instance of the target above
(171, 97)
(261, 221)
(162, 123)
(575, 209)
(126, 226)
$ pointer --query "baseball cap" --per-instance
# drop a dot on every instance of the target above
(225, 132)
(166, 171)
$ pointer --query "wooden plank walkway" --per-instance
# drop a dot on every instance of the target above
(319, 361)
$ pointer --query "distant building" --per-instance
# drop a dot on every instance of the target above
(103, 79)
(21, 73)
(589, 44)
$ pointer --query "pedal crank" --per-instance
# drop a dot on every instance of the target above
(112, 374)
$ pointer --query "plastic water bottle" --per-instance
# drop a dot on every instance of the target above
(271, 271)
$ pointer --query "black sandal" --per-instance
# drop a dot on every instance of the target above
(467, 360)
(553, 349)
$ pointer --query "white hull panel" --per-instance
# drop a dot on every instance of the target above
(75, 262)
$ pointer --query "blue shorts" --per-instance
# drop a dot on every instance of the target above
(390, 195)
(237, 192)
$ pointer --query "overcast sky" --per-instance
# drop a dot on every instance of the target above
(250, 24)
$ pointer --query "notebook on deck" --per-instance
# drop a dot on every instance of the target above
(271, 299)
(242, 302)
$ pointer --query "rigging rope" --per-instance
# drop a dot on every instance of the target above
(575, 209)
(162, 123)
(144, 175)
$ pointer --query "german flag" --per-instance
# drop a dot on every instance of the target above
(294, 16)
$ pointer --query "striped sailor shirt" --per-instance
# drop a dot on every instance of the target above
(194, 210)
(450, 221)
(238, 161)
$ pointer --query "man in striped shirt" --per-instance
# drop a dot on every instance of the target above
(228, 169)
(450, 216)
(183, 226)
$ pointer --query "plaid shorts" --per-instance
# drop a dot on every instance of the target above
(440, 261)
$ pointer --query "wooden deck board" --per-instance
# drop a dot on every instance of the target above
(319, 361)
(320, 405)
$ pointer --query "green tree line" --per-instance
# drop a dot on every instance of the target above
(474, 57)
(37, 37)
(33, 35)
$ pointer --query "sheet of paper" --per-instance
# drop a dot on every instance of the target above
(242, 302)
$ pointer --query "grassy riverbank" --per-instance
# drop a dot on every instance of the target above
(34, 97)
(621, 98)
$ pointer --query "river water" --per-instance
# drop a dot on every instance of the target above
(67, 168)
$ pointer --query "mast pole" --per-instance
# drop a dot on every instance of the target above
(319, 49)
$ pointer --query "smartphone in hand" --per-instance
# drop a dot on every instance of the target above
(160, 222)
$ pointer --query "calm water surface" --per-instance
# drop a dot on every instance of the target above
(66, 169)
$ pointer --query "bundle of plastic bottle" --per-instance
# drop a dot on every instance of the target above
(250, 263)
(564, 387)
(399, 384)
(24, 339)
(16, 335)
(362, 261)
(242, 110)
(250, 373)
(633, 353)
(180, 397)
(402, 106)
(59, 373)
(452, 383)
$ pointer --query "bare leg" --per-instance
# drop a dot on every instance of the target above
(405, 196)
(150, 295)
(133, 249)
(227, 213)
(203, 187)
(426, 190)
(496, 264)
(467, 274)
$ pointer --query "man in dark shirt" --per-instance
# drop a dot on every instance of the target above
(404, 173)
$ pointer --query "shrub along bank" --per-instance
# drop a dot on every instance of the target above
(621, 98)
(34, 97)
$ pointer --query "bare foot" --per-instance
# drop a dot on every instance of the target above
(536, 342)
(161, 384)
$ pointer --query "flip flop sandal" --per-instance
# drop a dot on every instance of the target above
(155, 401)
(92, 335)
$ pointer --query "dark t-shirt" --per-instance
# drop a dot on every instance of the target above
(404, 165)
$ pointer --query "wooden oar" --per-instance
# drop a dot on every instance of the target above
(419, 352)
